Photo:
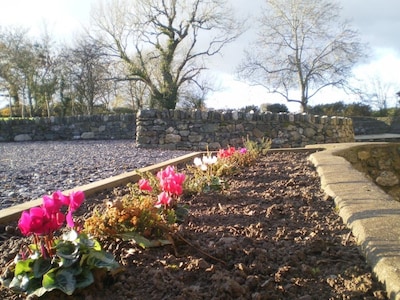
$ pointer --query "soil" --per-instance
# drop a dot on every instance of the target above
(272, 235)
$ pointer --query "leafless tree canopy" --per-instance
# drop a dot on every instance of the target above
(302, 46)
(164, 42)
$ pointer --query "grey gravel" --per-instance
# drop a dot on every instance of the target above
(29, 170)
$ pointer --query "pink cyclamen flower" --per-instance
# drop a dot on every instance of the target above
(243, 151)
(53, 222)
(172, 185)
(163, 199)
(170, 181)
(24, 223)
(179, 178)
(76, 199)
(32, 221)
(144, 185)
(223, 153)
(58, 195)
(52, 204)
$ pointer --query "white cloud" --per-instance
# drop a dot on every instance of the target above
(376, 20)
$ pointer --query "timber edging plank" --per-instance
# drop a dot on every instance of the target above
(12, 213)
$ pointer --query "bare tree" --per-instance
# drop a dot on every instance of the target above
(88, 81)
(302, 46)
(14, 46)
(164, 42)
(377, 93)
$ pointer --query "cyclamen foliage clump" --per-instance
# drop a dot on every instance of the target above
(50, 263)
(149, 209)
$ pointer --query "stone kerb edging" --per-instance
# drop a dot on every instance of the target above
(371, 214)
(13, 213)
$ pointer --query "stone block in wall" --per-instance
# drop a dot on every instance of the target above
(210, 127)
(239, 127)
(22, 138)
(236, 142)
(231, 128)
(214, 146)
(172, 138)
(258, 133)
(184, 133)
(184, 146)
(170, 130)
(195, 138)
(295, 136)
(89, 135)
(309, 132)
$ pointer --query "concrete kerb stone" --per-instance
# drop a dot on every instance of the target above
(372, 215)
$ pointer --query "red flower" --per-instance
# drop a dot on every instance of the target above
(163, 199)
(170, 181)
(144, 185)
(223, 153)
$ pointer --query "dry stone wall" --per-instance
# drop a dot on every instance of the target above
(100, 127)
(381, 164)
(185, 130)
(197, 130)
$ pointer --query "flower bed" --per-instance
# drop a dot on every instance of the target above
(148, 215)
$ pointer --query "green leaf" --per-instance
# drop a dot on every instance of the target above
(63, 279)
(84, 279)
(68, 253)
(40, 267)
(101, 259)
(23, 266)
(85, 242)
(181, 213)
(66, 281)
(49, 280)
(19, 283)
(39, 292)
(142, 241)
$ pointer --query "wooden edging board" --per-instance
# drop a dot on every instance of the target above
(12, 213)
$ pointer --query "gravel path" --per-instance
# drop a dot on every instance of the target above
(30, 170)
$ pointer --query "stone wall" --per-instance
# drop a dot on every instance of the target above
(98, 127)
(379, 125)
(195, 130)
(381, 163)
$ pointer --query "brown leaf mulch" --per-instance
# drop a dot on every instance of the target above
(272, 235)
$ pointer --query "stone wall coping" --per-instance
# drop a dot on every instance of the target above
(372, 215)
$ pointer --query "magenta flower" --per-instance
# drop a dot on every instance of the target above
(24, 223)
(58, 195)
(243, 150)
(144, 185)
(51, 204)
(163, 199)
(53, 222)
(32, 221)
(170, 181)
(179, 178)
(75, 201)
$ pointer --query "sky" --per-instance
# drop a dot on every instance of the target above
(377, 22)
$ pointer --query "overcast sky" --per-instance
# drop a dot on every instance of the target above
(377, 21)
